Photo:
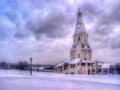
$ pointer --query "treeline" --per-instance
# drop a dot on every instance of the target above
(21, 65)
(117, 66)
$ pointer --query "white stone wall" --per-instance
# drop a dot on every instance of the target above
(81, 47)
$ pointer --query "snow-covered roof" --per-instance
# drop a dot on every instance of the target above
(75, 61)
(60, 64)
(66, 61)
(105, 65)
(100, 64)
(88, 61)
(86, 48)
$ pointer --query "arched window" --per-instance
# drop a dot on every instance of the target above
(74, 46)
(82, 46)
(88, 46)
(88, 71)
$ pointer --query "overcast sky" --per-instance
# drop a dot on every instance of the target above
(43, 29)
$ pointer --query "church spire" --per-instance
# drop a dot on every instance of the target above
(79, 25)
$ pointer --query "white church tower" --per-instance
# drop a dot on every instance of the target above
(80, 54)
(81, 48)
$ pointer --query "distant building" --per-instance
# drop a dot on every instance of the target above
(43, 68)
(80, 54)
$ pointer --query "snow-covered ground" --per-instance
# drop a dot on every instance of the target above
(21, 80)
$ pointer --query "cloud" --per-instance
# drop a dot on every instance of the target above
(43, 29)
(105, 37)
(53, 25)
(6, 28)
(90, 10)
(104, 29)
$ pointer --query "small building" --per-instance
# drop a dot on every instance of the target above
(105, 68)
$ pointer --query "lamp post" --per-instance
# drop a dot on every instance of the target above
(30, 65)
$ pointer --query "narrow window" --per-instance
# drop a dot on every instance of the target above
(88, 46)
(82, 46)
(74, 46)
(88, 64)
(82, 64)
(78, 55)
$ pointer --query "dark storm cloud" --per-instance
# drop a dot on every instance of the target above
(12, 16)
(90, 10)
(24, 16)
(20, 35)
(6, 28)
(106, 25)
(115, 42)
(53, 25)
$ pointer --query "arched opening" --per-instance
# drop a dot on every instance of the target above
(82, 46)
(88, 71)
(72, 72)
(88, 46)
(74, 46)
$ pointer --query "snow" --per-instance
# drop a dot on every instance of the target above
(88, 61)
(21, 80)
(100, 64)
(75, 61)
(67, 61)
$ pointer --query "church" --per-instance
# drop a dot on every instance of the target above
(80, 54)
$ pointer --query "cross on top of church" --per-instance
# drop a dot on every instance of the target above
(80, 24)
